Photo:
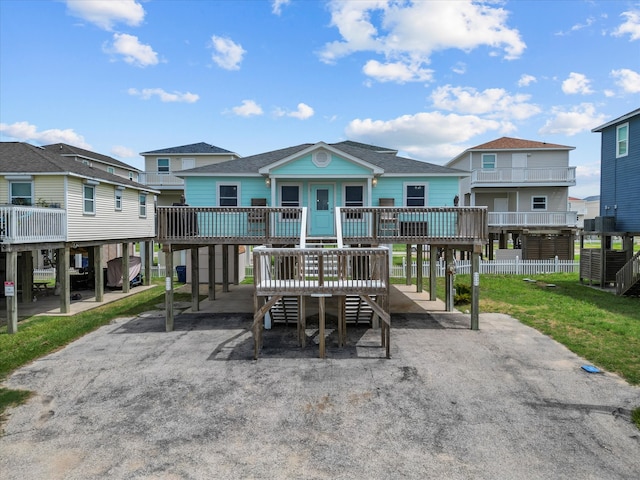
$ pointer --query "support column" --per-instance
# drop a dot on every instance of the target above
(419, 268)
(12, 300)
(236, 264)
(225, 268)
(27, 277)
(168, 289)
(125, 268)
(449, 268)
(408, 257)
(98, 274)
(475, 287)
(212, 272)
(65, 283)
(195, 279)
(433, 267)
(148, 262)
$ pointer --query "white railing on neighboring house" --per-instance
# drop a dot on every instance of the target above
(160, 179)
(20, 224)
(533, 219)
(44, 274)
(547, 175)
(487, 267)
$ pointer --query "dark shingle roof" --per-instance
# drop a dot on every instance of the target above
(67, 150)
(26, 159)
(380, 157)
(194, 149)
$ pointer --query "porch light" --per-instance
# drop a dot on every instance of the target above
(267, 181)
(374, 182)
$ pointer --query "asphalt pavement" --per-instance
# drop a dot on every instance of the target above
(131, 401)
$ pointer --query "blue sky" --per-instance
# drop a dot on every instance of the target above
(428, 78)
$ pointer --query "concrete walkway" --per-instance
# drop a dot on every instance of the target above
(130, 401)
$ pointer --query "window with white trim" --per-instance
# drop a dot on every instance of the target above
(21, 193)
(489, 161)
(130, 175)
(622, 140)
(289, 197)
(142, 205)
(539, 203)
(163, 165)
(228, 194)
(415, 195)
(354, 197)
(89, 199)
(117, 200)
(111, 170)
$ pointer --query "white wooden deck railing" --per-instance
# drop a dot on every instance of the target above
(533, 219)
(337, 271)
(32, 224)
(540, 176)
(160, 179)
(438, 225)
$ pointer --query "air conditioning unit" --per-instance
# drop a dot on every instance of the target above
(589, 224)
(605, 224)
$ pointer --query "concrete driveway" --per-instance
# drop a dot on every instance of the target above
(130, 401)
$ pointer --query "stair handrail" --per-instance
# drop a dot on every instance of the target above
(628, 275)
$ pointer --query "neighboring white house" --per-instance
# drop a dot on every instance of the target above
(54, 203)
(160, 167)
(525, 186)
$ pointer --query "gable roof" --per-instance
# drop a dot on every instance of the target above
(380, 158)
(510, 143)
(192, 149)
(26, 159)
(624, 117)
(70, 150)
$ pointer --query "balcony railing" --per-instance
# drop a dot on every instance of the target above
(565, 176)
(32, 224)
(241, 225)
(533, 219)
(160, 179)
(384, 225)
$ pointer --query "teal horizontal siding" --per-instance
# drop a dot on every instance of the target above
(305, 166)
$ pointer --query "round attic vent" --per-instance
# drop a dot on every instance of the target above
(321, 158)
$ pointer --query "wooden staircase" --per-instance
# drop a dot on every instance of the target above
(628, 278)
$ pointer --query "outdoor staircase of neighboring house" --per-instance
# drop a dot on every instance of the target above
(285, 310)
(628, 277)
(357, 310)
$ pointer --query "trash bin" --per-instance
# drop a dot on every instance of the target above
(181, 271)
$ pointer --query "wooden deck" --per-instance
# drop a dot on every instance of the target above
(321, 272)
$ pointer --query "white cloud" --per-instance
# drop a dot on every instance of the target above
(627, 79)
(526, 80)
(147, 93)
(123, 152)
(248, 108)
(227, 53)
(576, 83)
(26, 132)
(493, 102)
(276, 7)
(631, 26)
(409, 32)
(430, 134)
(396, 72)
(134, 52)
(303, 112)
(578, 26)
(105, 13)
(577, 119)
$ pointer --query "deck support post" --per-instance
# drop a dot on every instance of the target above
(168, 290)
(27, 277)
(212, 272)
(98, 276)
(475, 287)
(450, 271)
(433, 265)
(195, 279)
(225, 268)
(409, 258)
(419, 263)
(125, 268)
(236, 265)
(65, 283)
(148, 261)
(12, 300)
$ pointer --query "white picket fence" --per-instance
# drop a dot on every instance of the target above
(49, 274)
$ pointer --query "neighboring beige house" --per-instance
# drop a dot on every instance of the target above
(96, 160)
(525, 185)
(54, 203)
(161, 165)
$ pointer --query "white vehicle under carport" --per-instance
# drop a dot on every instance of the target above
(114, 272)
